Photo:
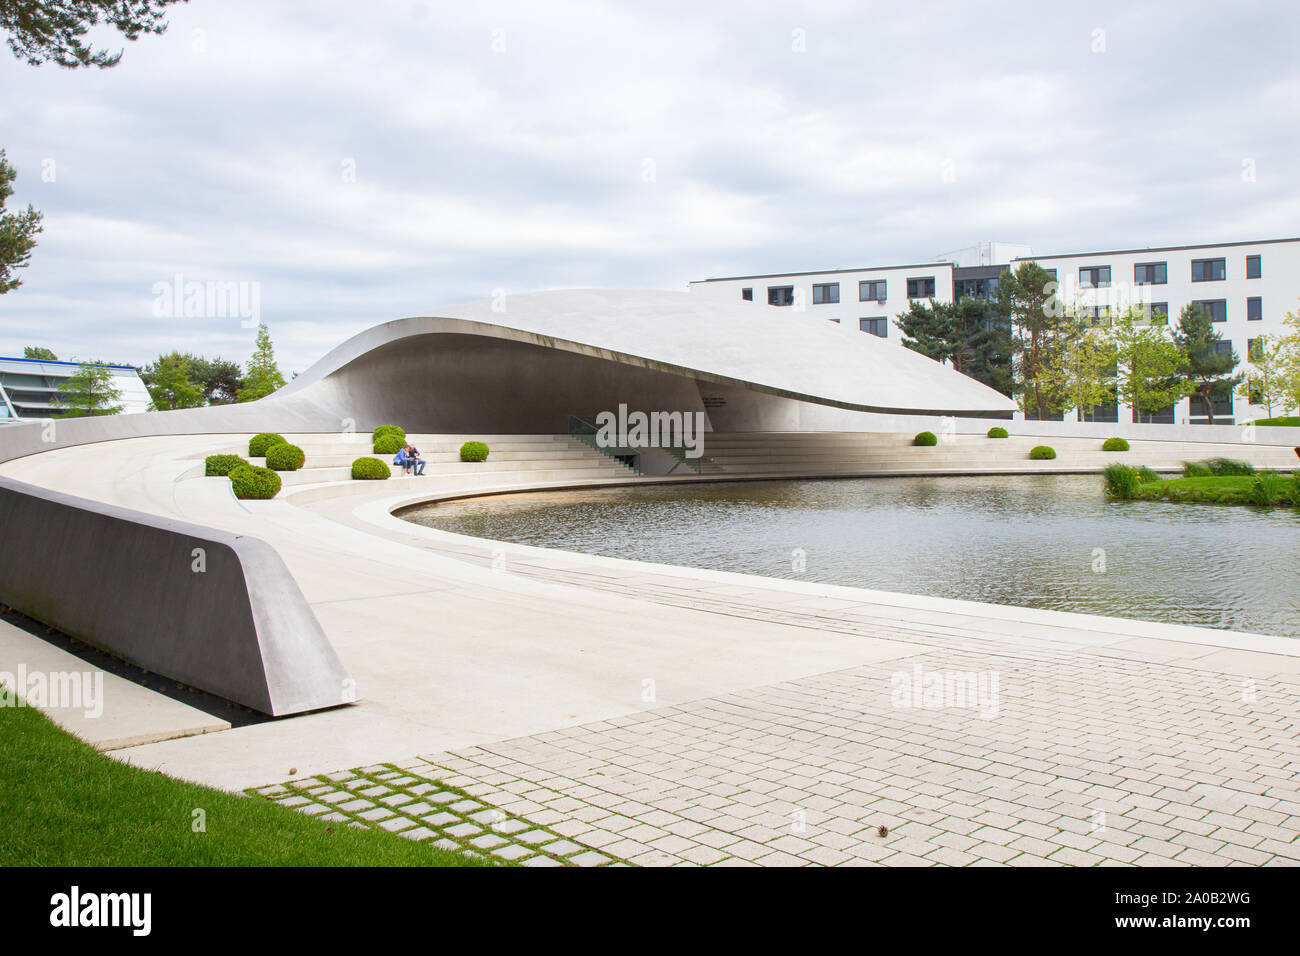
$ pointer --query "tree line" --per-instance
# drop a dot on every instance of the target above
(1026, 343)
(174, 380)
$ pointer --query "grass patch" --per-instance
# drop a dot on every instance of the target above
(1292, 421)
(65, 804)
(1224, 490)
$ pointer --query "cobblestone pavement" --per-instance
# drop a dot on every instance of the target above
(1072, 759)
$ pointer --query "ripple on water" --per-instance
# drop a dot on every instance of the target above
(1031, 541)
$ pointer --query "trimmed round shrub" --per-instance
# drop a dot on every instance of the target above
(397, 430)
(258, 444)
(925, 438)
(369, 469)
(997, 431)
(1042, 453)
(473, 451)
(388, 444)
(250, 481)
(219, 465)
(284, 457)
(1114, 444)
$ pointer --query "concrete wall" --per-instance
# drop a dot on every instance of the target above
(127, 583)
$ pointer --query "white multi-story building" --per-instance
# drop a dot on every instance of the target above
(1247, 287)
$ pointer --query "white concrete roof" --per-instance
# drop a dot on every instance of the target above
(775, 350)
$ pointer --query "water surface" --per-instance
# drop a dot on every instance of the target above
(1043, 541)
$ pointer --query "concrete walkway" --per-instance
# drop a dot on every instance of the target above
(668, 715)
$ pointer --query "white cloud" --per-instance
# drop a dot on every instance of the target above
(217, 150)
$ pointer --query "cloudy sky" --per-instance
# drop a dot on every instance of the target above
(364, 162)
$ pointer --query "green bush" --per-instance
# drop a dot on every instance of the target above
(1146, 473)
(250, 481)
(370, 469)
(220, 465)
(473, 451)
(925, 438)
(1229, 466)
(258, 444)
(1121, 481)
(997, 431)
(1114, 444)
(284, 457)
(1266, 488)
(389, 430)
(1042, 453)
(1196, 469)
(388, 444)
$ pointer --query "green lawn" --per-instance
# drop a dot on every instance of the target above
(1293, 420)
(1217, 489)
(64, 804)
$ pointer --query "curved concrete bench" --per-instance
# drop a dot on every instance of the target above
(214, 610)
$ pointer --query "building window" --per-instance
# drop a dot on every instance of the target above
(1151, 273)
(1158, 313)
(1222, 403)
(780, 295)
(1164, 416)
(1100, 413)
(921, 288)
(1051, 272)
(1094, 277)
(1209, 270)
(1216, 309)
(872, 289)
(1252, 267)
(876, 326)
(1254, 353)
(825, 293)
(1254, 309)
(836, 321)
(747, 295)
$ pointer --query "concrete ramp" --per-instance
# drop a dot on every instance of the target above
(214, 610)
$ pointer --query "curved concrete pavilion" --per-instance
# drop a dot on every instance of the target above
(523, 364)
(520, 673)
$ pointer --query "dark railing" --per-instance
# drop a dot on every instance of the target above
(585, 432)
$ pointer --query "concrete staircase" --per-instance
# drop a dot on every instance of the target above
(512, 459)
(835, 453)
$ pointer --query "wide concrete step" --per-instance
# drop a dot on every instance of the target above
(312, 491)
(503, 470)
(315, 460)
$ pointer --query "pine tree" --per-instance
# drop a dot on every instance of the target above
(262, 377)
(1027, 296)
(18, 231)
(1208, 367)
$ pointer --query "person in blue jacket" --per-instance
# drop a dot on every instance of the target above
(401, 459)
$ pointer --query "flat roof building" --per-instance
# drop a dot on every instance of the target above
(1247, 287)
(28, 387)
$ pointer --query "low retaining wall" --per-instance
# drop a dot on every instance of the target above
(211, 609)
